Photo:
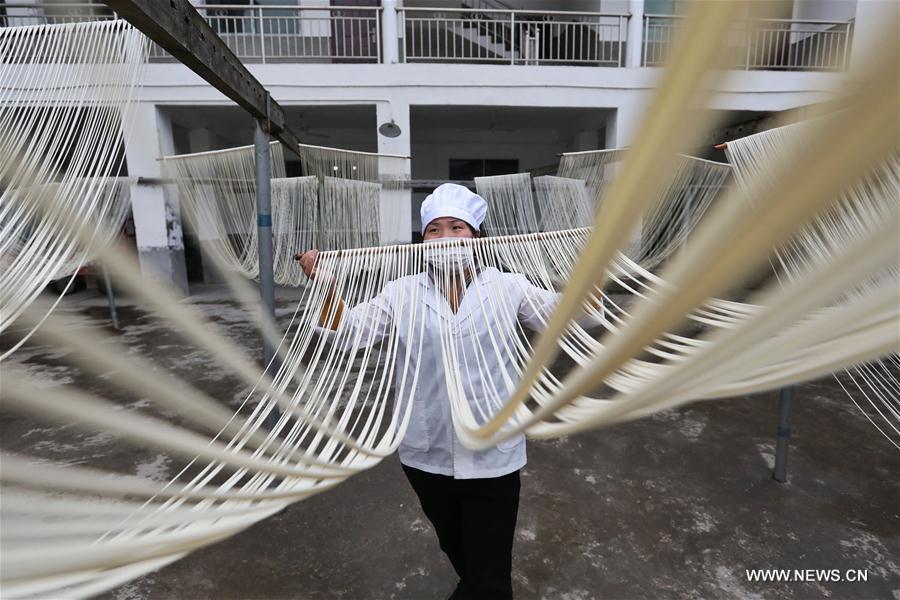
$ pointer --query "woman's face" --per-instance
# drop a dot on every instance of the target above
(447, 227)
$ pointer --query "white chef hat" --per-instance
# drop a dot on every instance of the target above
(452, 200)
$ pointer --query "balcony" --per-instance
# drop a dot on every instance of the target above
(763, 44)
(513, 37)
(326, 34)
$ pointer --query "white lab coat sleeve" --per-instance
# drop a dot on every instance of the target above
(538, 304)
(365, 324)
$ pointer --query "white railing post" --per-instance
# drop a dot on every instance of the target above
(848, 36)
(401, 26)
(621, 32)
(389, 35)
(512, 38)
(749, 26)
(634, 46)
(262, 35)
(378, 56)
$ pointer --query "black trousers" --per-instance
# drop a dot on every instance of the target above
(475, 520)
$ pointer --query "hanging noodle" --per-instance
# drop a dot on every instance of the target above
(682, 203)
(336, 204)
(346, 385)
(65, 98)
(294, 218)
(510, 204)
(219, 189)
(859, 209)
(564, 203)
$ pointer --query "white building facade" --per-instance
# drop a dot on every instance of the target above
(476, 87)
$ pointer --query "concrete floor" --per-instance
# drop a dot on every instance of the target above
(679, 505)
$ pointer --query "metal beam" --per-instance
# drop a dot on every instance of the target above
(176, 26)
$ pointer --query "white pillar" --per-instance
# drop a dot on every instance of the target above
(622, 129)
(635, 39)
(622, 124)
(396, 204)
(874, 20)
(390, 49)
(157, 219)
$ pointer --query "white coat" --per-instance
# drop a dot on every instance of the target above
(484, 325)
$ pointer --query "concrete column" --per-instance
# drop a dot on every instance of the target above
(875, 19)
(622, 125)
(157, 218)
(635, 39)
(390, 49)
(621, 131)
(396, 204)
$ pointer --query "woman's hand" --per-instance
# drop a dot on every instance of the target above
(308, 262)
(328, 317)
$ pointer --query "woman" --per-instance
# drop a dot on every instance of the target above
(470, 497)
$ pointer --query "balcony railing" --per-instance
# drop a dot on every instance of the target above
(13, 14)
(254, 33)
(293, 34)
(274, 33)
(512, 36)
(770, 44)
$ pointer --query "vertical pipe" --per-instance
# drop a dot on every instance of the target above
(784, 434)
(110, 298)
(264, 236)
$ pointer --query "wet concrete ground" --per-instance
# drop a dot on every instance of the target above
(679, 505)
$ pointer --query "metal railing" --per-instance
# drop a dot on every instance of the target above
(763, 44)
(275, 33)
(512, 36)
(254, 33)
(293, 34)
(39, 13)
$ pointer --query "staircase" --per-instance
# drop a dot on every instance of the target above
(502, 46)
(487, 43)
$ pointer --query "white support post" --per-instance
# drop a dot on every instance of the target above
(873, 19)
(621, 131)
(396, 204)
(389, 37)
(622, 124)
(635, 41)
(157, 217)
